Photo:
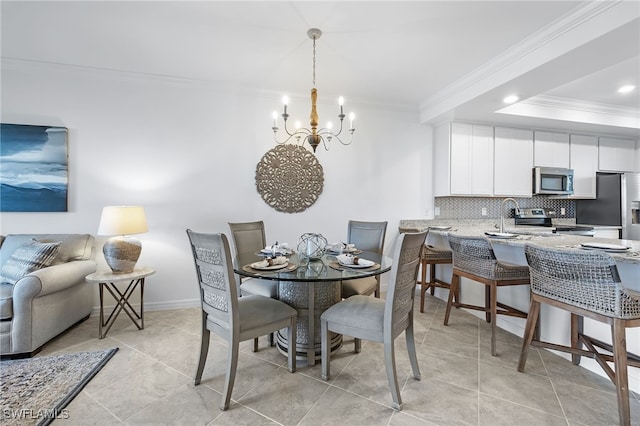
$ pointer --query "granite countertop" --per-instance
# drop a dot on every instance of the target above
(486, 224)
(550, 240)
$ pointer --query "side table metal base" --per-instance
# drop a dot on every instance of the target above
(122, 300)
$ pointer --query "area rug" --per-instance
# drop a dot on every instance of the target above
(36, 391)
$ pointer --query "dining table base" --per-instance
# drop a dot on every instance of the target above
(310, 299)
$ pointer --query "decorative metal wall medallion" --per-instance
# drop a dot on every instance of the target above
(289, 178)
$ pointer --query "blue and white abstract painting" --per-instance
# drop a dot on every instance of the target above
(33, 168)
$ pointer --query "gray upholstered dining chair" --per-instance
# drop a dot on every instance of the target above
(378, 320)
(367, 236)
(586, 284)
(249, 237)
(232, 318)
(473, 258)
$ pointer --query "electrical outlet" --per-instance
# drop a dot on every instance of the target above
(562, 211)
(436, 211)
(484, 211)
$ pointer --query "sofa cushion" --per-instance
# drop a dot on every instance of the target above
(27, 258)
(73, 247)
(6, 301)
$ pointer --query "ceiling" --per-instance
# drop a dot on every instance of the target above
(442, 59)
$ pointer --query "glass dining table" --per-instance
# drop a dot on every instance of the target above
(310, 287)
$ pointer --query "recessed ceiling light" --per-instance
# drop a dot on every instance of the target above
(510, 99)
(626, 89)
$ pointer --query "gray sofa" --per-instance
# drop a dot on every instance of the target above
(42, 304)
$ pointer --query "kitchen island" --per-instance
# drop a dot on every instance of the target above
(554, 323)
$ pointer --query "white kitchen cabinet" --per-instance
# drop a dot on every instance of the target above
(513, 162)
(463, 160)
(550, 149)
(471, 159)
(584, 162)
(617, 155)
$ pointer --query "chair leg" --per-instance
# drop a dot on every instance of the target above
(324, 342)
(272, 341)
(487, 303)
(232, 366)
(255, 345)
(204, 349)
(423, 283)
(432, 278)
(453, 290)
(392, 376)
(357, 345)
(529, 331)
(291, 343)
(493, 296)
(577, 328)
(620, 364)
(411, 348)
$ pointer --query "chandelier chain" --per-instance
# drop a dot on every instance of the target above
(314, 62)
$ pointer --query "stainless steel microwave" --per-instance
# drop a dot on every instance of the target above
(552, 181)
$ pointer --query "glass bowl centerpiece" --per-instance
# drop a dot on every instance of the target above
(311, 246)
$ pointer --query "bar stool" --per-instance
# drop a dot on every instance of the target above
(473, 258)
(587, 284)
(431, 257)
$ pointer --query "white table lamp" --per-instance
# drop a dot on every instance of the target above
(122, 251)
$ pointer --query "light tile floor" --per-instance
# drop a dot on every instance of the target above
(150, 380)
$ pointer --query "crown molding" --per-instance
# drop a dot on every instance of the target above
(556, 108)
(553, 40)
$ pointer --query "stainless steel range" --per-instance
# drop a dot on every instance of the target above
(542, 218)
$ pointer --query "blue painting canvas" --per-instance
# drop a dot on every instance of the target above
(33, 168)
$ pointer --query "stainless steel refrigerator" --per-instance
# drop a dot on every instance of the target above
(617, 203)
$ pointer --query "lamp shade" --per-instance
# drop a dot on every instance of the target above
(121, 252)
(122, 220)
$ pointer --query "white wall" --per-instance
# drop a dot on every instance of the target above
(188, 154)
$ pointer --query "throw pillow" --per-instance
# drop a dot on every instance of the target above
(27, 258)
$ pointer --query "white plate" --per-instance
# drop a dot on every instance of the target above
(258, 266)
(604, 246)
(362, 263)
(501, 235)
(351, 250)
(279, 251)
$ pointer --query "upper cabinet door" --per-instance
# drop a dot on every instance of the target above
(513, 162)
(551, 149)
(584, 162)
(471, 159)
(617, 155)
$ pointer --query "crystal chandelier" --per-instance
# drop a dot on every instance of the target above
(313, 135)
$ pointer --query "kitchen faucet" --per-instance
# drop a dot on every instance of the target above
(502, 211)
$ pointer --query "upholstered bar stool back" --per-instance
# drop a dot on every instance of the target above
(429, 258)
(587, 284)
(473, 258)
